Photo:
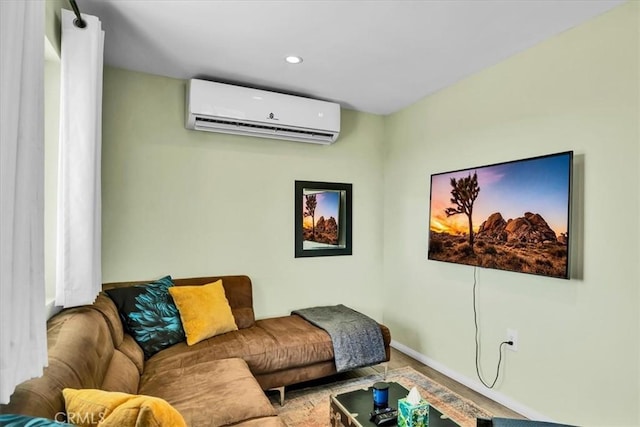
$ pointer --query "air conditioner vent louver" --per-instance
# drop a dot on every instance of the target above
(216, 107)
(274, 129)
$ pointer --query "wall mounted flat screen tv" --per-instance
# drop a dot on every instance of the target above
(511, 216)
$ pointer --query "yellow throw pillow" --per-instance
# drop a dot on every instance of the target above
(204, 311)
(91, 407)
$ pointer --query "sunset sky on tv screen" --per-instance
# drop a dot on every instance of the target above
(539, 185)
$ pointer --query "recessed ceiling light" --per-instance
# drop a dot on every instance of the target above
(293, 59)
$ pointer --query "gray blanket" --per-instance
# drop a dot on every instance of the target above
(357, 339)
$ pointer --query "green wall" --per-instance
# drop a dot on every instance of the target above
(53, 22)
(578, 358)
(51, 138)
(188, 203)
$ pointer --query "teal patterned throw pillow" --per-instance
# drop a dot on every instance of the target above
(11, 420)
(149, 315)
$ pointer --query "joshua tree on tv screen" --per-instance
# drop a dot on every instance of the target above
(464, 194)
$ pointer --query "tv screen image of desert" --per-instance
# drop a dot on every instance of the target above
(510, 216)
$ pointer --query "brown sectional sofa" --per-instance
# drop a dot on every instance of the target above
(217, 382)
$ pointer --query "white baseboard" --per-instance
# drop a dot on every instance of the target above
(472, 384)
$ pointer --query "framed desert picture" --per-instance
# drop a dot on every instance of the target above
(509, 216)
(322, 219)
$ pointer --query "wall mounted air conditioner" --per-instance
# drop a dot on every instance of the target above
(217, 107)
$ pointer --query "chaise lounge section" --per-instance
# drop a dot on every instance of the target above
(216, 382)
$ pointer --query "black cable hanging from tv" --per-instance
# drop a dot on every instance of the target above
(78, 22)
(477, 331)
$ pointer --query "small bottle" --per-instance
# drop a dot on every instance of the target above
(380, 395)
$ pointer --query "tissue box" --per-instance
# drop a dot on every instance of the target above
(413, 415)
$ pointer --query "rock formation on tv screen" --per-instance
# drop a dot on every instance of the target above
(531, 228)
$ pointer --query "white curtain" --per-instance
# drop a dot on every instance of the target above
(23, 339)
(78, 264)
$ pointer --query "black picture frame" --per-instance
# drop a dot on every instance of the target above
(334, 236)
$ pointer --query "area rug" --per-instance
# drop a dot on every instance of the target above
(309, 407)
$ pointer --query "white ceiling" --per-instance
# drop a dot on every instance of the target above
(372, 56)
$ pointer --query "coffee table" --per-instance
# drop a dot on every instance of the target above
(352, 409)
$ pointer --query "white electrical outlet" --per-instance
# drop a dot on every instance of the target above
(512, 335)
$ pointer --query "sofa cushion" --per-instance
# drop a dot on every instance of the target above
(270, 345)
(91, 407)
(250, 344)
(305, 343)
(122, 374)
(211, 393)
(149, 314)
(204, 311)
(133, 351)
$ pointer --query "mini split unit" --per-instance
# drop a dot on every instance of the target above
(217, 107)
